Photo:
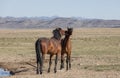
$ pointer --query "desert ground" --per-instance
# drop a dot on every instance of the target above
(95, 53)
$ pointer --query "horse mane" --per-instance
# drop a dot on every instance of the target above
(57, 34)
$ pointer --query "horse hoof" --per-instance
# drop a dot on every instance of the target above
(61, 68)
(40, 72)
(37, 72)
(48, 70)
(55, 71)
(66, 69)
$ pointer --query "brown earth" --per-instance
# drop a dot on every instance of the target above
(27, 69)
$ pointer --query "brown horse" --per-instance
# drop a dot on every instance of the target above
(50, 46)
(66, 49)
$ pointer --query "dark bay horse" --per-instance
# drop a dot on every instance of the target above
(66, 49)
(50, 46)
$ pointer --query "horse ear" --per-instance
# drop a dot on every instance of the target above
(67, 27)
(58, 28)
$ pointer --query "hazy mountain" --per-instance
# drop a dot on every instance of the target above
(55, 21)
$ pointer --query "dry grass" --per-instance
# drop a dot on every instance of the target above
(98, 50)
(89, 41)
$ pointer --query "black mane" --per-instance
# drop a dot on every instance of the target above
(57, 34)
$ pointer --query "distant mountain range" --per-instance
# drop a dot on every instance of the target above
(53, 22)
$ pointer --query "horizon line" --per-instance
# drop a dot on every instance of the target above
(55, 17)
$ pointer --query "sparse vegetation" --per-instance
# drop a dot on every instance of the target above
(101, 67)
(95, 49)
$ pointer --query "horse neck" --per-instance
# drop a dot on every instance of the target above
(55, 39)
(66, 40)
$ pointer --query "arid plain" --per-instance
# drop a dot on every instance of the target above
(95, 53)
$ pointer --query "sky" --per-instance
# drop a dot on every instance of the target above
(100, 9)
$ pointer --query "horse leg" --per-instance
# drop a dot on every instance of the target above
(41, 63)
(67, 62)
(40, 67)
(56, 60)
(50, 62)
(62, 61)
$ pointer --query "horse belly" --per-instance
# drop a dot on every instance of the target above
(54, 50)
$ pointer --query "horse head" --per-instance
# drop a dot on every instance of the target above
(69, 31)
(58, 33)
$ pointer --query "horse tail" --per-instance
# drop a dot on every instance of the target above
(38, 51)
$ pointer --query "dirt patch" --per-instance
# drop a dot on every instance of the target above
(28, 70)
(19, 68)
